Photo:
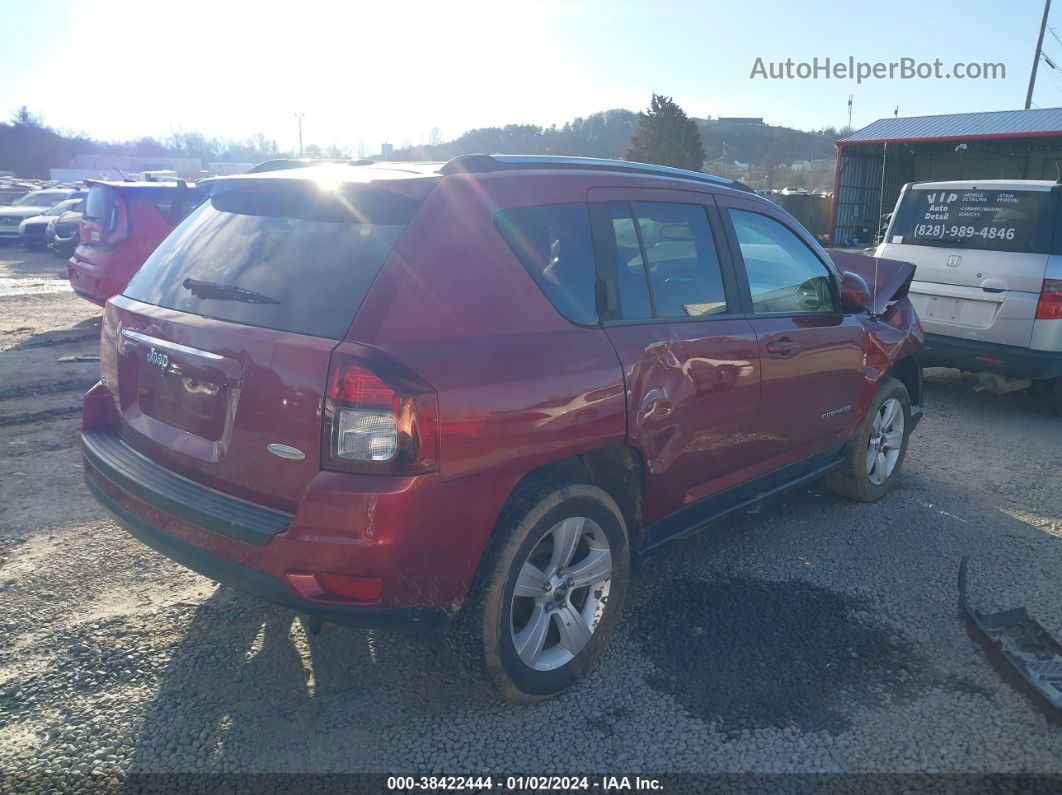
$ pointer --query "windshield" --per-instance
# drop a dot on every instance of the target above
(289, 258)
(62, 207)
(40, 198)
(993, 220)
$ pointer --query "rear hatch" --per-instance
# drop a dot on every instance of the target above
(221, 341)
(981, 256)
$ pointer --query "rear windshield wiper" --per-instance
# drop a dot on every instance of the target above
(226, 292)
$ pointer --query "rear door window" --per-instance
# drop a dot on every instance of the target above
(667, 263)
(553, 243)
(682, 260)
(289, 257)
(991, 220)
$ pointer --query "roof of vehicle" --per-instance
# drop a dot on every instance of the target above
(141, 185)
(364, 171)
(282, 163)
(988, 184)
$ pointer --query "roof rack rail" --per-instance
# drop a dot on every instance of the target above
(478, 164)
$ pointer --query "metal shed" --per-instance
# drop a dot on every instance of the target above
(874, 163)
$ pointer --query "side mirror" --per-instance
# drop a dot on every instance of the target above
(855, 294)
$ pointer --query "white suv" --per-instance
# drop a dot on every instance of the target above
(988, 283)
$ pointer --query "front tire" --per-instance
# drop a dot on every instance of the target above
(549, 592)
(876, 453)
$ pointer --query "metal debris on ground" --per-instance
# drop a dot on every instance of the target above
(1021, 648)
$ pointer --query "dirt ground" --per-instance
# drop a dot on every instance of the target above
(814, 635)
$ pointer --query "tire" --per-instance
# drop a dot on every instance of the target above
(496, 617)
(1056, 395)
(869, 479)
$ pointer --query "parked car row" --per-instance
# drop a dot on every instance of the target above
(470, 395)
(30, 212)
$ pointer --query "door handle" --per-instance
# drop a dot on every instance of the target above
(782, 347)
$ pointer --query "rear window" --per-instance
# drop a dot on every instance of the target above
(553, 243)
(291, 258)
(993, 220)
(99, 204)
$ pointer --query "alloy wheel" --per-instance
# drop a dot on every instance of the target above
(886, 441)
(561, 593)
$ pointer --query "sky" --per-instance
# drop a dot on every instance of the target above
(363, 73)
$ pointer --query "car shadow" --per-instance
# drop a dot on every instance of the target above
(248, 680)
(958, 387)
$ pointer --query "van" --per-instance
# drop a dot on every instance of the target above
(988, 279)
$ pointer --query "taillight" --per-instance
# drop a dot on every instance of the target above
(379, 417)
(1050, 304)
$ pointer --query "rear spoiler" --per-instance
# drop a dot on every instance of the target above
(888, 279)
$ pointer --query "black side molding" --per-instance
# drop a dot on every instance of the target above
(699, 515)
(171, 493)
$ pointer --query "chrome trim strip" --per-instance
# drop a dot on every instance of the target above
(173, 346)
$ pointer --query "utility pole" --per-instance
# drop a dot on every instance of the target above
(300, 117)
(1036, 57)
(849, 112)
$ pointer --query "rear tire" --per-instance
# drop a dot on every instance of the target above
(876, 453)
(548, 594)
(1056, 395)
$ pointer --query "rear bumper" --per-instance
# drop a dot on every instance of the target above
(262, 585)
(251, 548)
(421, 538)
(92, 281)
(974, 356)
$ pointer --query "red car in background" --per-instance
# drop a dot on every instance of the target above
(412, 395)
(121, 224)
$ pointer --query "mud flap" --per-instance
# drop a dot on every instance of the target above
(1020, 649)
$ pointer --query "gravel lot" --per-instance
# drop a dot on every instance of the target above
(815, 635)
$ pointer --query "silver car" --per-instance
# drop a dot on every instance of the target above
(33, 203)
(988, 279)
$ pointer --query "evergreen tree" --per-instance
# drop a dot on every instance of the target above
(666, 136)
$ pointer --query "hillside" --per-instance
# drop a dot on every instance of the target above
(606, 134)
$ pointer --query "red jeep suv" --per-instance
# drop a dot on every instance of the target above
(419, 395)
